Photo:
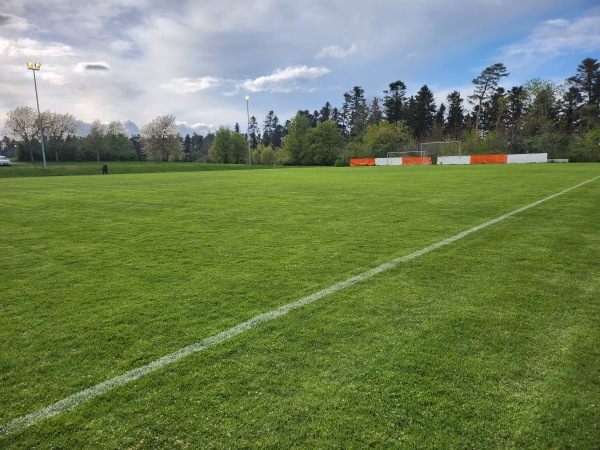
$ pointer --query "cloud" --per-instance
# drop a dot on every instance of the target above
(13, 22)
(33, 49)
(284, 80)
(99, 66)
(335, 51)
(125, 48)
(198, 128)
(104, 59)
(186, 85)
(556, 37)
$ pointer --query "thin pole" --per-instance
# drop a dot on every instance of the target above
(248, 112)
(40, 118)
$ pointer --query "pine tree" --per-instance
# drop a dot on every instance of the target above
(456, 115)
(394, 102)
(485, 85)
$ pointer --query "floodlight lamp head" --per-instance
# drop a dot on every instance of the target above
(247, 97)
(33, 66)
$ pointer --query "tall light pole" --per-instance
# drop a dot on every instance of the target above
(248, 112)
(33, 67)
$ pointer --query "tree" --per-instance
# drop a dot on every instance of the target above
(338, 119)
(187, 147)
(587, 147)
(375, 112)
(569, 109)
(294, 142)
(387, 137)
(325, 113)
(440, 116)
(160, 139)
(587, 80)
(278, 136)
(423, 112)
(119, 147)
(21, 124)
(516, 109)
(541, 107)
(94, 142)
(456, 115)
(357, 109)
(228, 147)
(494, 112)
(270, 127)
(57, 128)
(253, 134)
(394, 102)
(322, 145)
(485, 85)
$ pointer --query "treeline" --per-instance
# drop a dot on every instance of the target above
(540, 116)
(561, 119)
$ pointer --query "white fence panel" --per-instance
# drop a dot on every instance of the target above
(527, 158)
(448, 160)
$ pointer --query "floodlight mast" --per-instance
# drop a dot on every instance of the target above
(33, 67)
(248, 112)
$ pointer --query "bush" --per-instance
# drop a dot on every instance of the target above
(586, 148)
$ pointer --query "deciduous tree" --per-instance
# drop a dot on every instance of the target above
(295, 142)
(228, 147)
(160, 139)
(322, 145)
(21, 124)
(57, 128)
(118, 146)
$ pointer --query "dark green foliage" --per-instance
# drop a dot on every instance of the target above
(456, 115)
(295, 141)
(394, 102)
(323, 144)
(228, 147)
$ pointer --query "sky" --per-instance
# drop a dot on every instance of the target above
(198, 60)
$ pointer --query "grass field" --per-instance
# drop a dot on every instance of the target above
(26, 169)
(492, 341)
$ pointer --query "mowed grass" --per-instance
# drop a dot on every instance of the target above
(489, 342)
(21, 169)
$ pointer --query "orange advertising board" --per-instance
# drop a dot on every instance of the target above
(413, 160)
(362, 162)
(488, 159)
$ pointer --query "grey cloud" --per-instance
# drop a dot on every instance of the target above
(96, 67)
(99, 66)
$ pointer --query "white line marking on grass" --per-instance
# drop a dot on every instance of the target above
(77, 399)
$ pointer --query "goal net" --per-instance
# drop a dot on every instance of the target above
(394, 157)
(445, 148)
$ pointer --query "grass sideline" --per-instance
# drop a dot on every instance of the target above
(27, 169)
(479, 344)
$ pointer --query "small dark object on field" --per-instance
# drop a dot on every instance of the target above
(104, 169)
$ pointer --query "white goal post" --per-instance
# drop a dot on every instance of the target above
(441, 148)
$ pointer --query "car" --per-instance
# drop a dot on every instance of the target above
(4, 161)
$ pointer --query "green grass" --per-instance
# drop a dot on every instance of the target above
(490, 342)
(27, 169)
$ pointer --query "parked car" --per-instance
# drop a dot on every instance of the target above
(4, 161)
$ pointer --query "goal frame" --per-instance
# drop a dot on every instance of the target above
(438, 143)
(412, 153)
